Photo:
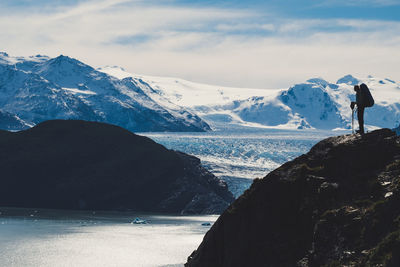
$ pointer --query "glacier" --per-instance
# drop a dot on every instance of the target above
(39, 88)
(239, 156)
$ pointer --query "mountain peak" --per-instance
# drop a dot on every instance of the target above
(319, 81)
(348, 79)
(63, 68)
(67, 59)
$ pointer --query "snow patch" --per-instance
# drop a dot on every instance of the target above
(77, 91)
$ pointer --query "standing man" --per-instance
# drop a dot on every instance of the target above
(363, 99)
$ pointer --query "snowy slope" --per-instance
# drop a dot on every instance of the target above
(321, 105)
(40, 88)
(212, 103)
(190, 94)
(315, 103)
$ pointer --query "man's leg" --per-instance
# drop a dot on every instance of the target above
(360, 117)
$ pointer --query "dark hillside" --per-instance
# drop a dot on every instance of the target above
(89, 165)
(337, 205)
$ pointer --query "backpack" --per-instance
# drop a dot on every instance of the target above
(368, 99)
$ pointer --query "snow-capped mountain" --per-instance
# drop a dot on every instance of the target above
(319, 104)
(40, 88)
(315, 103)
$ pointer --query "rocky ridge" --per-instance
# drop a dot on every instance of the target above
(337, 205)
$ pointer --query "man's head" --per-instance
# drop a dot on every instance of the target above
(356, 88)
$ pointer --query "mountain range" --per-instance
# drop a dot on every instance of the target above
(313, 104)
(38, 88)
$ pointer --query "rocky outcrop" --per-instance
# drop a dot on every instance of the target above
(337, 205)
(89, 165)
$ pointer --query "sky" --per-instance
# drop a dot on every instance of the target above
(257, 44)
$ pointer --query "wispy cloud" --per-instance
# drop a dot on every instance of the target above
(246, 28)
(214, 44)
(88, 8)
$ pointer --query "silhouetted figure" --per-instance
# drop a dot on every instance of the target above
(363, 99)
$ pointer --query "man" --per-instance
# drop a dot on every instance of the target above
(363, 99)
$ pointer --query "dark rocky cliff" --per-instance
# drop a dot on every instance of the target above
(89, 165)
(337, 205)
(397, 130)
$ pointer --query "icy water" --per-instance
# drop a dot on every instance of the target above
(240, 156)
(67, 238)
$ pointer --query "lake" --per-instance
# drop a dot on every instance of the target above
(51, 238)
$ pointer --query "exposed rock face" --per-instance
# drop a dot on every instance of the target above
(337, 205)
(89, 165)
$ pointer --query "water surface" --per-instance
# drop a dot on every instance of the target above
(51, 238)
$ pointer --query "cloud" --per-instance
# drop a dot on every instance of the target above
(245, 27)
(227, 46)
(87, 8)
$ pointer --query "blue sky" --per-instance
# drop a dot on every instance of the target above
(362, 9)
(263, 44)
